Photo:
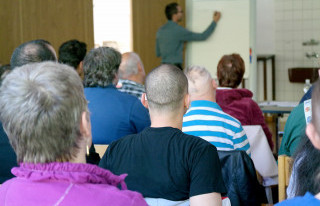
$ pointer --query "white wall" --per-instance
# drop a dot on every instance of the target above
(295, 21)
(112, 23)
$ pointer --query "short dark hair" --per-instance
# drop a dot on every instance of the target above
(171, 9)
(230, 70)
(31, 52)
(72, 52)
(166, 86)
(101, 66)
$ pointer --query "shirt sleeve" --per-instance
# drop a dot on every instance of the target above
(240, 141)
(205, 174)
(139, 117)
(187, 35)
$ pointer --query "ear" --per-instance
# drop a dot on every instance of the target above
(187, 101)
(313, 135)
(319, 72)
(116, 78)
(144, 100)
(214, 84)
(85, 126)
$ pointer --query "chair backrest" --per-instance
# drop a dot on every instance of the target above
(239, 176)
(101, 149)
(284, 171)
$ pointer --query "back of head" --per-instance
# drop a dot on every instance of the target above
(170, 10)
(101, 66)
(166, 87)
(40, 108)
(230, 70)
(72, 53)
(307, 157)
(32, 52)
(129, 65)
(199, 81)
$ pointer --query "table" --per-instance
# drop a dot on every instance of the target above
(278, 108)
(264, 58)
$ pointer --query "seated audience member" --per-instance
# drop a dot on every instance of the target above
(295, 128)
(238, 102)
(308, 160)
(31, 52)
(162, 161)
(39, 51)
(45, 114)
(72, 53)
(206, 119)
(28, 52)
(8, 158)
(114, 114)
(132, 75)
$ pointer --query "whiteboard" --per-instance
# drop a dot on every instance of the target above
(232, 34)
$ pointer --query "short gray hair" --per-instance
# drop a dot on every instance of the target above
(129, 66)
(41, 105)
(100, 66)
(166, 86)
(199, 79)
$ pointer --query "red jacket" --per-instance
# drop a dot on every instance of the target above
(239, 104)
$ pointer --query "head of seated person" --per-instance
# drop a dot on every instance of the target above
(45, 115)
(230, 70)
(101, 67)
(72, 53)
(306, 168)
(31, 52)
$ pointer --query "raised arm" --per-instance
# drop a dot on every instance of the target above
(187, 35)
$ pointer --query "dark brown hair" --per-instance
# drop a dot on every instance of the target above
(230, 70)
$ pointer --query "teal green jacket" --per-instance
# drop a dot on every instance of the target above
(294, 128)
(170, 39)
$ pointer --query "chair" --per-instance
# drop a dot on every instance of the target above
(240, 179)
(284, 171)
(101, 149)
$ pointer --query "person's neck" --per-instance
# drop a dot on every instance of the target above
(81, 156)
(136, 78)
(211, 98)
(163, 119)
(175, 20)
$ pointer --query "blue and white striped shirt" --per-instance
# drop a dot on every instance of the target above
(206, 119)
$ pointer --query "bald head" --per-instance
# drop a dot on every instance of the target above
(200, 83)
(166, 87)
(131, 67)
(32, 52)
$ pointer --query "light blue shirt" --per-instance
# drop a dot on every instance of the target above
(206, 119)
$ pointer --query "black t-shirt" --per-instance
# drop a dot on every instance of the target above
(166, 163)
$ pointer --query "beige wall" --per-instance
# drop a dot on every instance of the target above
(54, 20)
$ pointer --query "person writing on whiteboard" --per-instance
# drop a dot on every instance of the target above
(171, 36)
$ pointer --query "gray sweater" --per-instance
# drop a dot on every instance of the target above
(170, 39)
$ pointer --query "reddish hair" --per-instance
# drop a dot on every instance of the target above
(230, 70)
